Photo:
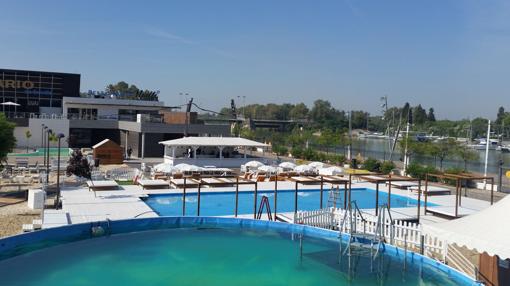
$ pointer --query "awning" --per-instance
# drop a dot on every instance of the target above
(486, 231)
(213, 141)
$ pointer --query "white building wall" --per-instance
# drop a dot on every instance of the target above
(34, 125)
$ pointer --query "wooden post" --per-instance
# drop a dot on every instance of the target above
(389, 192)
(345, 195)
(492, 190)
(237, 196)
(295, 199)
(322, 189)
(184, 198)
(198, 198)
(426, 193)
(376, 198)
(457, 198)
(275, 194)
(350, 187)
(255, 201)
(419, 199)
(460, 191)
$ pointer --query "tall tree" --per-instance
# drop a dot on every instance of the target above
(7, 139)
(419, 115)
(431, 117)
(501, 115)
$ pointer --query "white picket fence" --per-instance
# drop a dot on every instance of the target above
(323, 218)
(397, 233)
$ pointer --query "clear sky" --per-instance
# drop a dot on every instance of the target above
(452, 55)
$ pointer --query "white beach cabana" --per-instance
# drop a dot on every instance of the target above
(210, 151)
(484, 231)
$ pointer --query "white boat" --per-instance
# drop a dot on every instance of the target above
(482, 144)
(503, 149)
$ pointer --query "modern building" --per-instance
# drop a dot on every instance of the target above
(88, 120)
(36, 92)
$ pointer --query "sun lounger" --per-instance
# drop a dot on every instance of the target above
(153, 184)
(432, 190)
(179, 183)
(404, 184)
(102, 185)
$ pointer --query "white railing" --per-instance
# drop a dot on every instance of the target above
(323, 218)
(396, 232)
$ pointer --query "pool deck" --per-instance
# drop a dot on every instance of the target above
(79, 205)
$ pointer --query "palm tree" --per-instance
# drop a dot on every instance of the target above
(28, 135)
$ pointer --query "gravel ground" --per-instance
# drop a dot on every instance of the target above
(12, 217)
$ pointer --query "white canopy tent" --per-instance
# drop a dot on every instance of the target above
(485, 231)
(9, 103)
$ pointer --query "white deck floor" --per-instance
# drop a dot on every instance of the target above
(81, 205)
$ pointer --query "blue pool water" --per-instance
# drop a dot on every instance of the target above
(220, 204)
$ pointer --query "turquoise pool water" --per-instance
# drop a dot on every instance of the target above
(212, 256)
(219, 204)
(40, 152)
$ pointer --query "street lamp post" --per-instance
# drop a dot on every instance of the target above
(57, 200)
(48, 156)
(43, 135)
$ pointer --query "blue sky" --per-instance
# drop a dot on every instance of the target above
(451, 55)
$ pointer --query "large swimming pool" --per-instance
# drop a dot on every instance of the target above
(223, 203)
(207, 251)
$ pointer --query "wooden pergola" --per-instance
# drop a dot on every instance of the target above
(458, 178)
(388, 179)
(308, 180)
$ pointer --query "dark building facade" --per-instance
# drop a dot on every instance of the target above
(37, 92)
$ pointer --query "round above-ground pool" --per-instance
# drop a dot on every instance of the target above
(206, 251)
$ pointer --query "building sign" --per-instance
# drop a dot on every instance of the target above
(26, 84)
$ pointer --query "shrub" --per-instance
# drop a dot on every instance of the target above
(387, 167)
(372, 165)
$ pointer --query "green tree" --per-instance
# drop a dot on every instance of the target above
(299, 111)
(419, 115)
(28, 135)
(430, 116)
(501, 115)
(7, 139)
(466, 154)
(443, 149)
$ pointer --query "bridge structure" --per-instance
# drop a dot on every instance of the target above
(280, 125)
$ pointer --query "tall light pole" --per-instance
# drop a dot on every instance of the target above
(42, 138)
(48, 156)
(487, 154)
(57, 200)
(349, 147)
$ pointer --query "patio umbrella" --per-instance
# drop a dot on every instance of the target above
(164, 168)
(9, 103)
(287, 165)
(268, 169)
(331, 171)
(316, 165)
(254, 164)
(303, 169)
(188, 168)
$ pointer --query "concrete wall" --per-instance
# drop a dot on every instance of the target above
(34, 125)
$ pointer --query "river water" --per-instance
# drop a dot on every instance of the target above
(380, 149)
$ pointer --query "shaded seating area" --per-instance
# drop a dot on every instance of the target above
(462, 179)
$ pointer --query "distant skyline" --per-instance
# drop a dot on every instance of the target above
(451, 55)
